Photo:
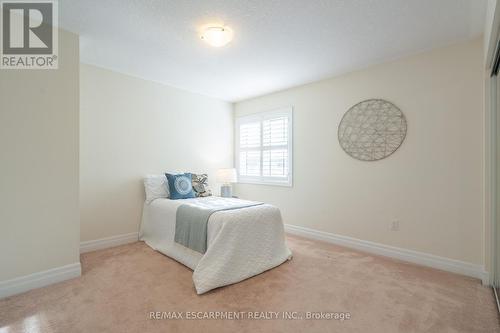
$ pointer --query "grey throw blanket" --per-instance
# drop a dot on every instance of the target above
(192, 219)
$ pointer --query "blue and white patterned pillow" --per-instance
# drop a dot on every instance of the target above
(180, 186)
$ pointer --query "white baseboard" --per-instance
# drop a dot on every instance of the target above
(58, 274)
(39, 279)
(420, 258)
(104, 243)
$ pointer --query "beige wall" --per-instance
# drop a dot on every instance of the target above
(432, 184)
(130, 128)
(39, 218)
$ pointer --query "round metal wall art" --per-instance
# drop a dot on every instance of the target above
(372, 130)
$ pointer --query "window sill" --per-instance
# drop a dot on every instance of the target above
(267, 183)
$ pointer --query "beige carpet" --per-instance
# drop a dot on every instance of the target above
(121, 286)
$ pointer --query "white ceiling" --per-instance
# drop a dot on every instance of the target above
(277, 44)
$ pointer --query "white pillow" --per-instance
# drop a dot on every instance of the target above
(156, 186)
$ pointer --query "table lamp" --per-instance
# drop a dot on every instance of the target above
(226, 177)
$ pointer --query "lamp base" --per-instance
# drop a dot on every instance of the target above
(225, 191)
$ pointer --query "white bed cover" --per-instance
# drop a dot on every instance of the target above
(241, 243)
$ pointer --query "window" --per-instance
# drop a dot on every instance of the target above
(264, 148)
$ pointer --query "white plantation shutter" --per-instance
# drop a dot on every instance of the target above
(250, 135)
(275, 142)
(275, 131)
(250, 143)
(264, 147)
(275, 163)
(250, 163)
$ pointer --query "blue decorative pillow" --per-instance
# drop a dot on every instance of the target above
(180, 186)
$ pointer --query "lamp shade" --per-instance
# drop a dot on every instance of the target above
(217, 36)
(226, 176)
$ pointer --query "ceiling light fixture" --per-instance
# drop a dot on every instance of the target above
(217, 36)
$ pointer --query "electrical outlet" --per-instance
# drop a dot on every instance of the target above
(395, 225)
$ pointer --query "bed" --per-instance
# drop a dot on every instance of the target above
(241, 243)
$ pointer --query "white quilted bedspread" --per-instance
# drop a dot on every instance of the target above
(241, 242)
